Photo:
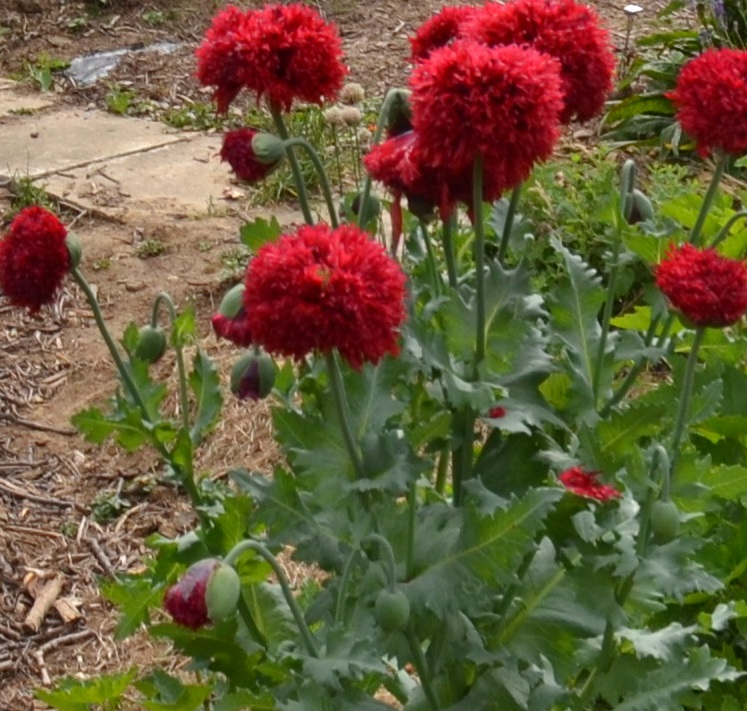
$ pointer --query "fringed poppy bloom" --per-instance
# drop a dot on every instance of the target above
(441, 29)
(711, 101)
(708, 289)
(564, 29)
(283, 52)
(585, 484)
(233, 329)
(34, 258)
(503, 103)
(238, 150)
(321, 289)
(220, 58)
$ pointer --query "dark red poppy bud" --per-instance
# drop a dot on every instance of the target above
(207, 592)
(253, 376)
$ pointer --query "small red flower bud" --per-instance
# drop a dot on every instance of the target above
(251, 155)
(497, 412)
(253, 376)
(207, 592)
(230, 321)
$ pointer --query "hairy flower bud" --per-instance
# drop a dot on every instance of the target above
(230, 321)
(252, 155)
(151, 344)
(207, 592)
(268, 148)
(74, 249)
(253, 376)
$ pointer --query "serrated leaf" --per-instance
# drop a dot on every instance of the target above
(183, 328)
(75, 695)
(242, 700)
(271, 614)
(259, 232)
(664, 644)
(205, 385)
(164, 692)
(493, 538)
(576, 302)
(639, 687)
(134, 597)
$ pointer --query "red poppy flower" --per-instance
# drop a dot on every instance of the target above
(564, 29)
(220, 57)
(585, 484)
(320, 289)
(501, 102)
(708, 289)
(238, 151)
(33, 258)
(439, 30)
(283, 52)
(234, 329)
(497, 412)
(711, 101)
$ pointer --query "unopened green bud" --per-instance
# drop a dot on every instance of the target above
(267, 148)
(642, 209)
(74, 249)
(233, 301)
(222, 593)
(151, 344)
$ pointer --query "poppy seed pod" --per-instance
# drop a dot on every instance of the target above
(151, 344)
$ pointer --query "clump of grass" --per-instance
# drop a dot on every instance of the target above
(150, 248)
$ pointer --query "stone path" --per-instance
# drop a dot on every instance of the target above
(115, 166)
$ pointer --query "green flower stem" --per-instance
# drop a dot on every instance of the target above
(321, 173)
(344, 582)
(461, 468)
(411, 520)
(381, 123)
(639, 365)
(479, 261)
(124, 372)
(509, 224)
(442, 470)
(262, 551)
(251, 625)
(436, 283)
(167, 301)
(608, 306)
(421, 666)
(448, 244)
(684, 405)
(338, 166)
(624, 588)
(391, 562)
(710, 196)
(724, 233)
(303, 197)
(338, 393)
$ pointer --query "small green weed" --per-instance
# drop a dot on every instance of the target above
(197, 116)
(234, 262)
(108, 505)
(25, 192)
(154, 18)
(204, 246)
(119, 101)
(78, 24)
(100, 265)
(40, 72)
(150, 248)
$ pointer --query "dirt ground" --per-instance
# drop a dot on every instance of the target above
(54, 487)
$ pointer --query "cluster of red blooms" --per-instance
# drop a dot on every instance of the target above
(282, 52)
(584, 483)
(34, 258)
(706, 288)
(496, 81)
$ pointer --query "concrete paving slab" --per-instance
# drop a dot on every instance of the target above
(12, 102)
(63, 140)
(7, 84)
(183, 178)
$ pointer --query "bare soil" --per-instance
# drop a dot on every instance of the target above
(55, 487)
